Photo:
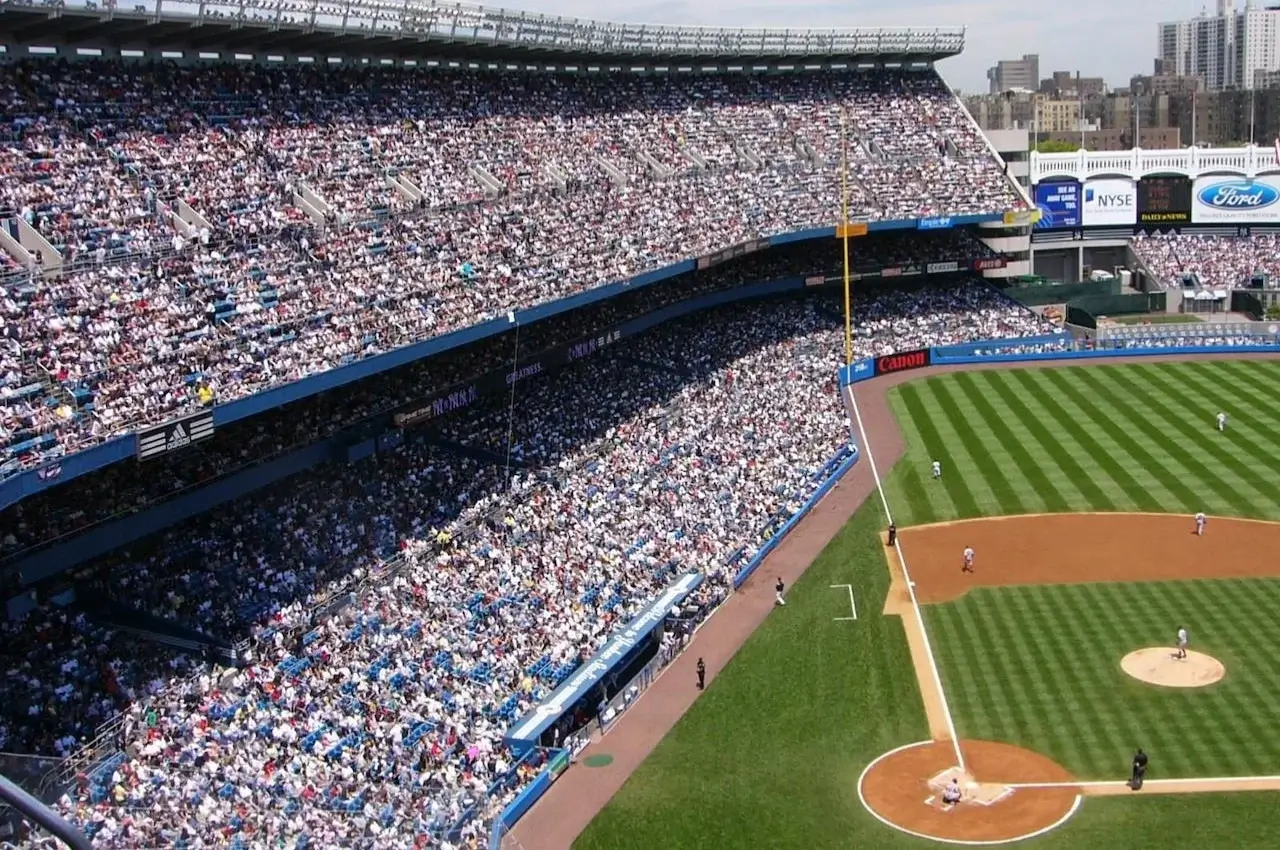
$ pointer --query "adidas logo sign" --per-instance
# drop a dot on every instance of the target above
(178, 438)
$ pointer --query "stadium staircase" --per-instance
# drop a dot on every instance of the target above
(125, 618)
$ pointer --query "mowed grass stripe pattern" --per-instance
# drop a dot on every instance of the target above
(1039, 666)
(1102, 438)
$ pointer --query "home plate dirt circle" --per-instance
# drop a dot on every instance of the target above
(903, 789)
(1156, 665)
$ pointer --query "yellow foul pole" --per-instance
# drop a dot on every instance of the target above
(844, 238)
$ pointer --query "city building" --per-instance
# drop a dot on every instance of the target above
(1064, 84)
(1162, 80)
(1231, 49)
(1228, 118)
(1056, 116)
(1014, 74)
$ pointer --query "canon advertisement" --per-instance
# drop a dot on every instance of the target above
(1110, 201)
(891, 363)
(1230, 199)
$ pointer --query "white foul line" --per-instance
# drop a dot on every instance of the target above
(915, 603)
(1155, 782)
(853, 608)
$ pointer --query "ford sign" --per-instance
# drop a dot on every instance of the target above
(1238, 195)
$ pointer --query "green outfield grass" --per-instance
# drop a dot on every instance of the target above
(1122, 438)
(770, 756)
(1038, 666)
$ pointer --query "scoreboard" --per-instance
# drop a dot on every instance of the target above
(1165, 199)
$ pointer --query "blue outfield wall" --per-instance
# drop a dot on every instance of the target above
(946, 359)
(863, 370)
(19, 485)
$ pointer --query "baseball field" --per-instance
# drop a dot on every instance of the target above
(1032, 679)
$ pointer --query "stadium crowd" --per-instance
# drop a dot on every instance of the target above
(487, 555)
(330, 214)
(1220, 262)
(127, 488)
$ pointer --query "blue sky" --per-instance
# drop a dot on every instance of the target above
(1114, 38)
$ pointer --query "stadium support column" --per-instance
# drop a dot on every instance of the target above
(40, 814)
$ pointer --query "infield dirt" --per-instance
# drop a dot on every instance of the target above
(1079, 548)
(897, 788)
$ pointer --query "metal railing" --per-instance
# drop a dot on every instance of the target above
(471, 23)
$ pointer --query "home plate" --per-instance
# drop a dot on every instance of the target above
(982, 793)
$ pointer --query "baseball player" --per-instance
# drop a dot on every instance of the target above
(778, 589)
(937, 470)
(951, 794)
(968, 560)
(1201, 522)
(1139, 770)
(1181, 654)
(1222, 422)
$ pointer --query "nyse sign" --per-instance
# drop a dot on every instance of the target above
(1109, 201)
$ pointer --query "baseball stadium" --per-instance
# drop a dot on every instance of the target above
(434, 426)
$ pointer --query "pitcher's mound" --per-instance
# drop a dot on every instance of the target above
(904, 789)
(1156, 665)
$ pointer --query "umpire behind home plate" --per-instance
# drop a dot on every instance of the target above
(1139, 769)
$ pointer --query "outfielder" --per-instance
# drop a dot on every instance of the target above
(937, 470)
(1222, 422)
(1181, 654)
(779, 589)
(1201, 522)
(968, 560)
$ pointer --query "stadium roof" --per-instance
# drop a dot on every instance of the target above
(429, 29)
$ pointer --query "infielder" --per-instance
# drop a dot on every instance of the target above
(1222, 422)
(1181, 654)
(937, 470)
(1201, 522)
(968, 560)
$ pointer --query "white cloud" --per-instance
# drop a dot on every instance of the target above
(1112, 38)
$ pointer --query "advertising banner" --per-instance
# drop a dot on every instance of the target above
(1228, 199)
(940, 223)
(174, 435)
(1059, 204)
(1164, 200)
(891, 363)
(1022, 218)
(942, 268)
(988, 263)
(731, 253)
(467, 394)
(1109, 201)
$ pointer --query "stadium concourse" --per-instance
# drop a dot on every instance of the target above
(142, 323)
(1219, 262)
